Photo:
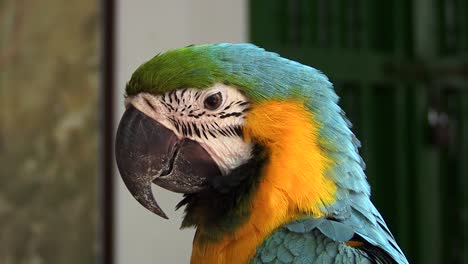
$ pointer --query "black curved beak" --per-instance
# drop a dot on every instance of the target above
(146, 152)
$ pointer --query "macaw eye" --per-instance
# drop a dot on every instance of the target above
(213, 101)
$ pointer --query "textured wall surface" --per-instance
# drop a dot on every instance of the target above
(49, 76)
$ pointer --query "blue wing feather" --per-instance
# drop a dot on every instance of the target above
(311, 246)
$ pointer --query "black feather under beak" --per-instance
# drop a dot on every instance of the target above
(146, 152)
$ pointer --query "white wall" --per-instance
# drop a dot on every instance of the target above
(145, 28)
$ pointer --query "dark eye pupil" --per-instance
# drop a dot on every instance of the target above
(213, 101)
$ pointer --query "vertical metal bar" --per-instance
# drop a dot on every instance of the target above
(441, 26)
(400, 28)
(449, 11)
(309, 23)
(463, 133)
(384, 147)
(369, 24)
(379, 25)
(427, 32)
(451, 180)
(106, 182)
(463, 15)
(428, 192)
(413, 137)
(417, 151)
(425, 28)
(323, 21)
(401, 177)
(337, 22)
(295, 24)
(352, 24)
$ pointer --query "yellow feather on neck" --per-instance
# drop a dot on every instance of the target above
(294, 183)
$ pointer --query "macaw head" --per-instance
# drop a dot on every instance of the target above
(216, 118)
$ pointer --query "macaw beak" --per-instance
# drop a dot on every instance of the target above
(148, 152)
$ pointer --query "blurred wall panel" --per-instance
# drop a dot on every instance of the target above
(49, 77)
(145, 28)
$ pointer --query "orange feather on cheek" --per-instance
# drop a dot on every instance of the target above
(297, 166)
(293, 184)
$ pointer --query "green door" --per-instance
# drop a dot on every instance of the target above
(401, 70)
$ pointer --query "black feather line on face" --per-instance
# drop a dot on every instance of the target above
(230, 132)
(197, 95)
(223, 132)
(204, 134)
(239, 131)
(167, 106)
(149, 103)
(184, 129)
(236, 114)
(197, 128)
(211, 133)
(189, 129)
(229, 106)
(183, 92)
(197, 131)
(174, 123)
(223, 206)
(170, 96)
(233, 131)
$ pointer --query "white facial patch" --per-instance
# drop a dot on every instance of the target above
(189, 113)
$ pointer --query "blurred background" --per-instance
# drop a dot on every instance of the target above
(49, 86)
(400, 68)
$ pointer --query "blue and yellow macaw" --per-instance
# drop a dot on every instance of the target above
(265, 157)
